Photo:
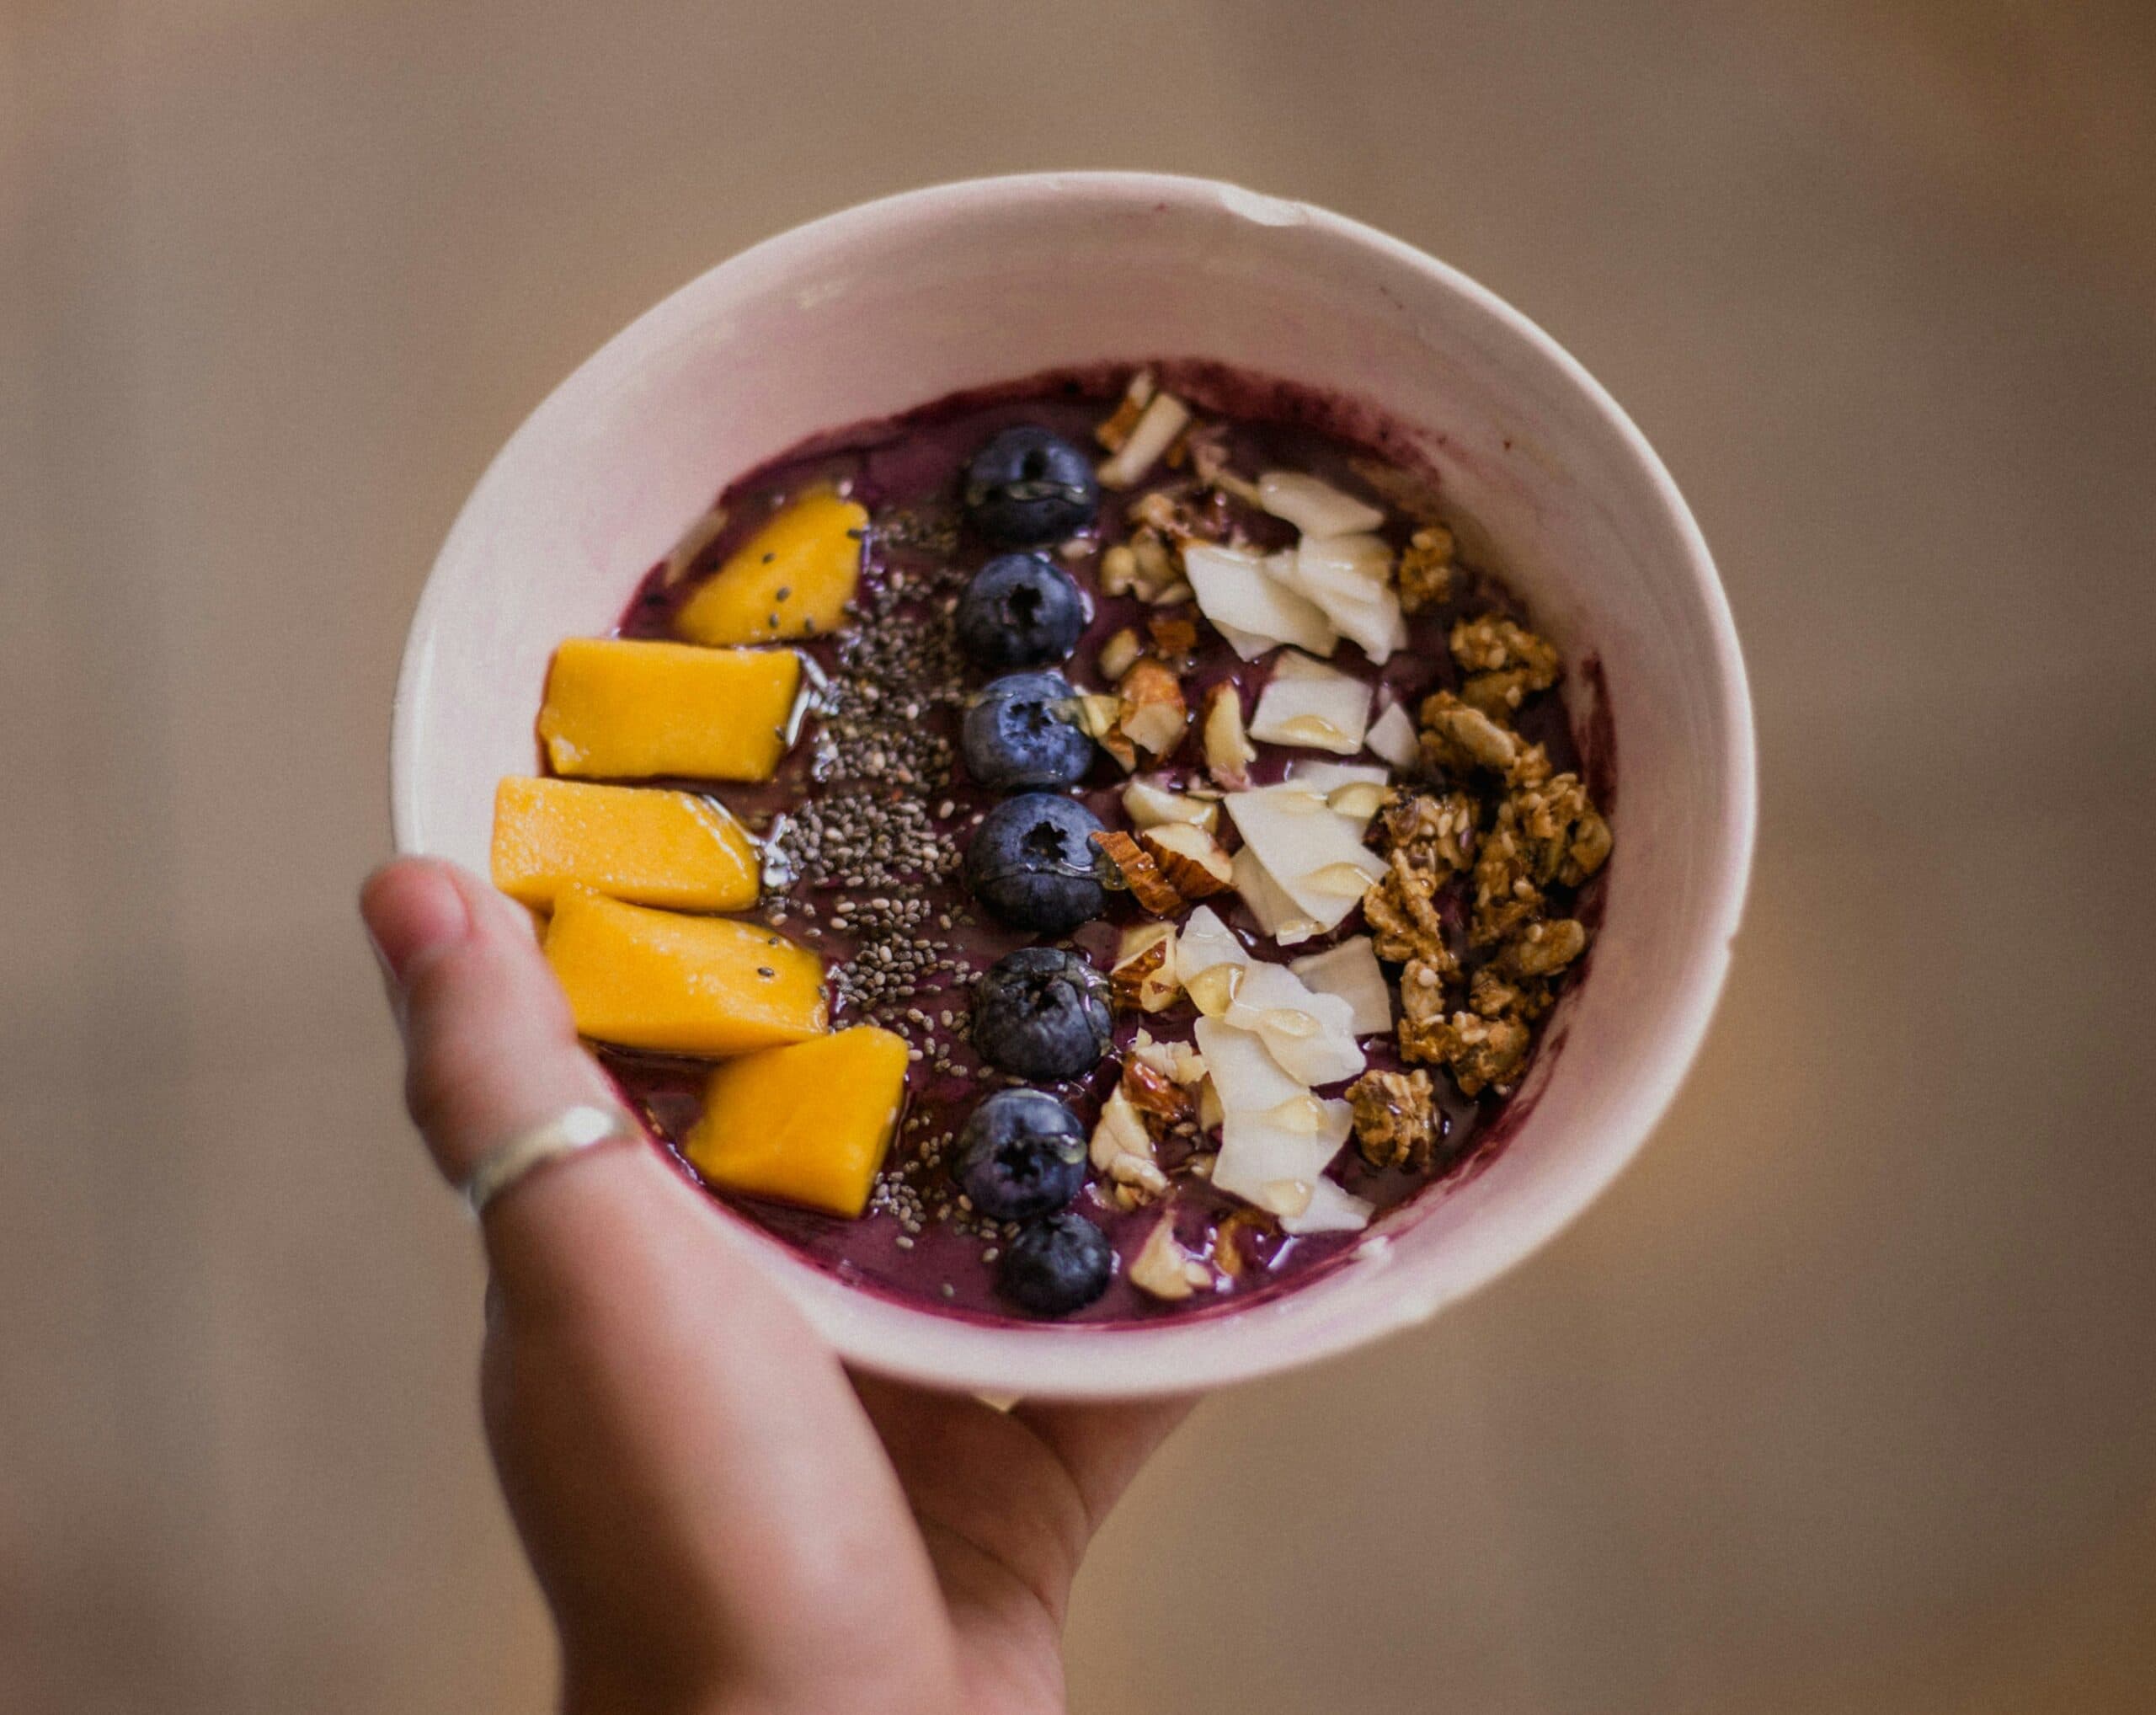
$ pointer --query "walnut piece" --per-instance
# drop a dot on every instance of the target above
(1506, 664)
(1431, 832)
(1402, 911)
(1496, 994)
(1395, 1119)
(1481, 1053)
(1544, 949)
(1424, 574)
(1140, 872)
(1506, 897)
(1153, 714)
(1563, 836)
(1458, 740)
(1193, 863)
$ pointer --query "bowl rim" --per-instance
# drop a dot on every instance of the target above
(884, 1335)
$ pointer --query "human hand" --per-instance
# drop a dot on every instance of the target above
(720, 1517)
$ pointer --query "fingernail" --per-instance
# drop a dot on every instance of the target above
(411, 911)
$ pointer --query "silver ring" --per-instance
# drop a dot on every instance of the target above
(570, 1130)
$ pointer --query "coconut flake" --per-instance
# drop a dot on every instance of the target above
(1307, 704)
(1278, 917)
(1392, 736)
(1204, 943)
(1351, 972)
(1311, 1035)
(1347, 578)
(1267, 1150)
(1234, 592)
(1314, 507)
(1242, 1070)
(1330, 1209)
(1297, 838)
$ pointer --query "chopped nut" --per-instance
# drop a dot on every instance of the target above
(1176, 518)
(1433, 833)
(1153, 568)
(1160, 1101)
(1506, 664)
(1148, 805)
(1121, 1147)
(1114, 431)
(1229, 751)
(1564, 837)
(1175, 636)
(1191, 859)
(1227, 1239)
(1402, 910)
(1544, 949)
(1422, 983)
(1424, 574)
(1506, 897)
(1154, 713)
(1140, 874)
(1118, 570)
(1165, 1268)
(1396, 1122)
(1459, 740)
(1158, 424)
(1143, 975)
(1481, 1053)
(1495, 994)
(1120, 653)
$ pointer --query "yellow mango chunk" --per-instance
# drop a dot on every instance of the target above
(792, 578)
(629, 842)
(806, 1125)
(679, 985)
(625, 710)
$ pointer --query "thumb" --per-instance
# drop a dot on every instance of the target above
(491, 1052)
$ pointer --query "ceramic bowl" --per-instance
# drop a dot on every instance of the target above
(899, 301)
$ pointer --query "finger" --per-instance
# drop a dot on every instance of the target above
(1103, 1447)
(490, 1048)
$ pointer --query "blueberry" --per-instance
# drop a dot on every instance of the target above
(1026, 487)
(1021, 1154)
(1032, 863)
(1057, 1265)
(1020, 734)
(1020, 611)
(1042, 1013)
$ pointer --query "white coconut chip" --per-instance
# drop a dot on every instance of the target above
(1235, 593)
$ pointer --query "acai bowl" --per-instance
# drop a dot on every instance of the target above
(1526, 721)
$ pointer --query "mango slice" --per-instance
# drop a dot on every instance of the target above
(626, 710)
(792, 578)
(628, 843)
(679, 985)
(806, 1125)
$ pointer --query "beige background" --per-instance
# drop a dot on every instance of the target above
(1840, 1402)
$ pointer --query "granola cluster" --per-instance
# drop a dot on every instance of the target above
(1475, 980)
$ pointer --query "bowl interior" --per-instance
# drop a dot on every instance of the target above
(893, 304)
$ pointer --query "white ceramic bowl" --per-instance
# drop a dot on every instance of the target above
(899, 301)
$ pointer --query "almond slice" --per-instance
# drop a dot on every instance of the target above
(1140, 872)
(1229, 751)
(1191, 859)
(1158, 424)
(1119, 654)
(1164, 1269)
(1143, 975)
(1115, 431)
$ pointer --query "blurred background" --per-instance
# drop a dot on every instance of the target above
(1842, 1401)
